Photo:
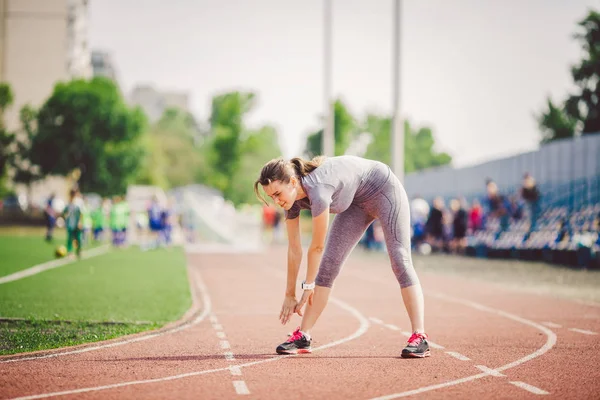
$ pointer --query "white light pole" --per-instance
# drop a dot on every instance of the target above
(397, 122)
(328, 140)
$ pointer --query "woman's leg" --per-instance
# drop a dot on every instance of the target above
(345, 232)
(393, 212)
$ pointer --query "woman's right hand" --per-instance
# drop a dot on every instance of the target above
(287, 309)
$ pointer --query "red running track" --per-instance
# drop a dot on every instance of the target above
(489, 343)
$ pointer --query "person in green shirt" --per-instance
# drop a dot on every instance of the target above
(99, 221)
(73, 221)
(86, 216)
(118, 219)
(123, 220)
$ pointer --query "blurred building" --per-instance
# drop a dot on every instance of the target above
(41, 42)
(154, 102)
(103, 65)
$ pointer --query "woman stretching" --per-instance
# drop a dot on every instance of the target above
(359, 191)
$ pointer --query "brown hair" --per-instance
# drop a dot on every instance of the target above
(280, 170)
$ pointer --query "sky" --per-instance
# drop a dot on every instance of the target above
(474, 71)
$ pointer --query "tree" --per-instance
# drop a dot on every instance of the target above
(256, 149)
(419, 144)
(171, 158)
(344, 132)
(6, 138)
(581, 111)
(224, 148)
(556, 123)
(25, 171)
(86, 125)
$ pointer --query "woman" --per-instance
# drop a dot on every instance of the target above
(359, 191)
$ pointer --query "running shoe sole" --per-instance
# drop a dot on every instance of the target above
(416, 355)
(297, 351)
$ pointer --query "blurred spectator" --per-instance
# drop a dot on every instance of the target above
(476, 217)
(419, 211)
(268, 218)
(435, 226)
(516, 208)
(277, 226)
(459, 226)
(531, 195)
(497, 205)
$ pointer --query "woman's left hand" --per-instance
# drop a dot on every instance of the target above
(306, 296)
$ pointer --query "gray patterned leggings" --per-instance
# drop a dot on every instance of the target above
(390, 205)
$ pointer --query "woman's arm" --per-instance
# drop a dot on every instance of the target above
(294, 255)
(294, 258)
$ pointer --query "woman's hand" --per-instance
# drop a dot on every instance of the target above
(287, 309)
(306, 296)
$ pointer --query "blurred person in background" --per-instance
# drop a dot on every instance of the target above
(531, 195)
(50, 217)
(497, 205)
(167, 217)
(99, 219)
(460, 221)
(268, 222)
(86, 215)
(419, 211)
(435, 225)
(476, 217)
(72, 215)
(154, 223)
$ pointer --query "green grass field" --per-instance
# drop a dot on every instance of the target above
(24, 248)
(71, 304)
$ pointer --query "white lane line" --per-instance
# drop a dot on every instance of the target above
(489, 371)
(225, 344)
(229, 355)
(392, 327)
(221, 335)
(213, 319)
(550, 342)
(36, 269)
(458, 356)
(376, 320)
(407, 334)
(551, 325)
(206, 302)
(435, 345)
(240, 387)
(362, 329)
(235, 370)
(529, 388)
(585, 332)
(218, 327)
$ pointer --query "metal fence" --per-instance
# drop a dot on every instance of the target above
(566, 171)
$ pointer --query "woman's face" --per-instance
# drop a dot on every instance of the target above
(283, 194)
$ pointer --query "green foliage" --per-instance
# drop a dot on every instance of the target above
(580, 111)
(6, 138)
(24, 171)
(555, 123)
(171, 156)
(419, 144)
(257, 148)
(344, 132)
(224, 149)
(85, 124)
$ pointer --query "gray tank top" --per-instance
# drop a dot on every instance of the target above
(338, 183)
